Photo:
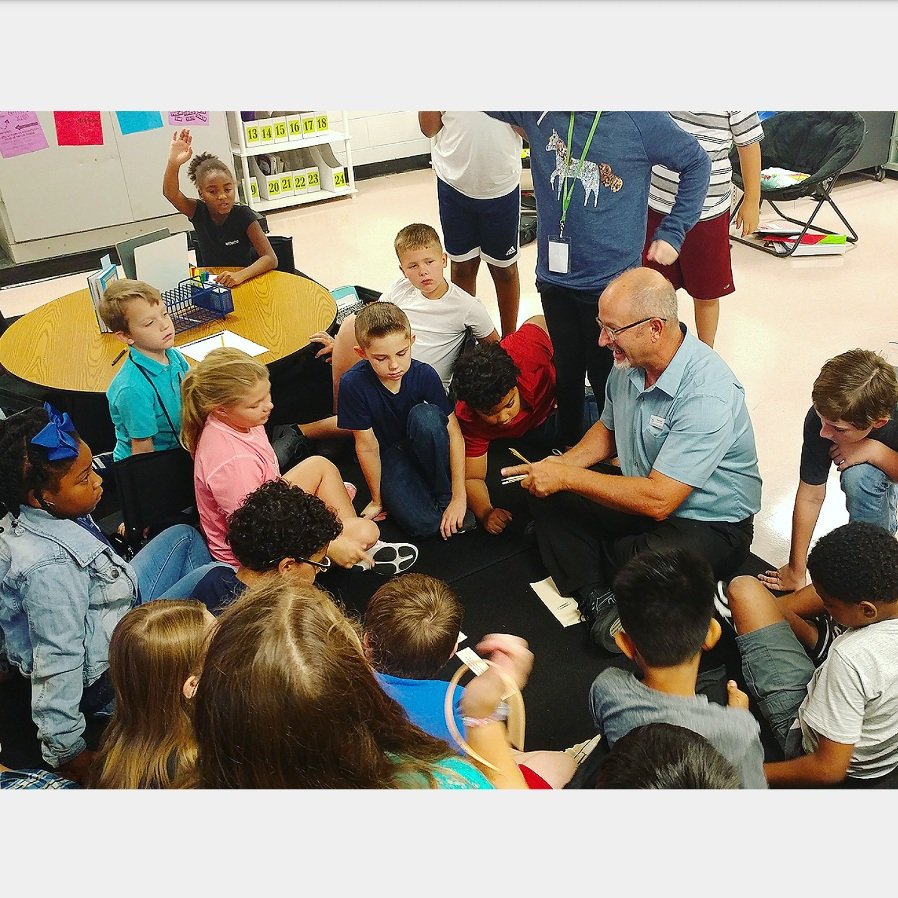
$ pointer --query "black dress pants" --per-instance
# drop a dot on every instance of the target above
(571, 320)
(584, 544)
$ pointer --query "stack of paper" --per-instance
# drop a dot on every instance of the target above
(809, 245)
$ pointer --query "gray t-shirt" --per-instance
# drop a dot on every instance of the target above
(620, 703)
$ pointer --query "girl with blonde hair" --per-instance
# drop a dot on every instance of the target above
(287, 699)
(226, 400)
(155, 656)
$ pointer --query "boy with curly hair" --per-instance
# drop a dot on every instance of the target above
(504, 390)
(838, 723)
(279, 529)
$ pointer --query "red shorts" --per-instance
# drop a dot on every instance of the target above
(703, 267)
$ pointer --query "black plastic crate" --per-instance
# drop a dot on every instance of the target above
(192, 303)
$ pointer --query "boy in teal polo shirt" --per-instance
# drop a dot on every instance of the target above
(145, 396)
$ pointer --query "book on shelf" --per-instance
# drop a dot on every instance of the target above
(97, 284)
(809, 244)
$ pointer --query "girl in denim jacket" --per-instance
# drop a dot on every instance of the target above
(63, 588)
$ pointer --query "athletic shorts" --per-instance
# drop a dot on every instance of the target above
(703, 267)
(777, 670)
(487, 228)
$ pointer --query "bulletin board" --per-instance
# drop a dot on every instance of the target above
(69, 189)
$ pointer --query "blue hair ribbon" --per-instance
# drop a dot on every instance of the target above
(56, 436)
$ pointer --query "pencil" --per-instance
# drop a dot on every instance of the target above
(222, 338)
(517, 454)
(118, 358)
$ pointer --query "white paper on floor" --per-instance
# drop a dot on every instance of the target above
(565, 609)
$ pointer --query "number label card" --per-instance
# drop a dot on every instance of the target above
(308, 125)
(294, 127)
(321, 123)
(280, 130)
(251, 133)
(300, 181)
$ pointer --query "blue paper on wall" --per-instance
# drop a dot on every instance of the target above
(132, 122)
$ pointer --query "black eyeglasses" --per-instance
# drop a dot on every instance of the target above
(321, 565)
(614, 331)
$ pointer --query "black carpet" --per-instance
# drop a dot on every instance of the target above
(491, 575)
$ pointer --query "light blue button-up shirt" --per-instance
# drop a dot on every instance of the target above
(691, 425)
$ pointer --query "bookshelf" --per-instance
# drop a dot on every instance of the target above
(303, 143)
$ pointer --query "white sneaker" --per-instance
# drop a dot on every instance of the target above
(722, 603)
(390, 558)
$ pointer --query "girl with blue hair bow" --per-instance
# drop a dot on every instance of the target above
(63, 587)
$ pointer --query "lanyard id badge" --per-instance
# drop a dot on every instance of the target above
(560, 246)
(560, 255)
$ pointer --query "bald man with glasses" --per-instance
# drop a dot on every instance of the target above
(675, 417)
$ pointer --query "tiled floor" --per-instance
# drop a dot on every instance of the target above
(786, 318)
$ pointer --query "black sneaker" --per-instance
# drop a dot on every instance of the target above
(290, 445)
(468, 523)
(599, 610)
(722, 604)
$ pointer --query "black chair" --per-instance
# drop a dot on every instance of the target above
(155, 490)
(819, 144)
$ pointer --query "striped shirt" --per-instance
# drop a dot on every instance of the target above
(716, 132)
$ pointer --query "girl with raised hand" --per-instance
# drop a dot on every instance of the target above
(227, 232)
(63, 587)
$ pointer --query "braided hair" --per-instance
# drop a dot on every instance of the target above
(205, 163)
(24, 465)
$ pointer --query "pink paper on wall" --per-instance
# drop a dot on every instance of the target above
(78, 129)
(196, 119)
(20, 132)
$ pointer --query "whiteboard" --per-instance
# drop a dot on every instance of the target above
(164, 263)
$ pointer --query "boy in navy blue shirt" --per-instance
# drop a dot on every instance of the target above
(407, 438)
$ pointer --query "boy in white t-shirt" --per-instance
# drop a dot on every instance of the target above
(477, 161)
(839, 723)
(439, 313)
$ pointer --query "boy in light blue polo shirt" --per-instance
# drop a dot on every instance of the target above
(145, 396)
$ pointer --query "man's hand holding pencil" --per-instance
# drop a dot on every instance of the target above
(542, 478)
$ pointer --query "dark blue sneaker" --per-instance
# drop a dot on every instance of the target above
(599, 610)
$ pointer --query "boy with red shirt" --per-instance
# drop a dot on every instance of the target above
(504, 391)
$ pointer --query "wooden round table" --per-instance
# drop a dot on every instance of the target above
(59, 344)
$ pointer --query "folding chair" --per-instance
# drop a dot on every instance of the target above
(819, 144)
(156, 491)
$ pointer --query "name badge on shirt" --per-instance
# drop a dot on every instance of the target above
(656, 422)
(559, 255)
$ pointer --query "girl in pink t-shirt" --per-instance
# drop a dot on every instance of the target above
(226, 400)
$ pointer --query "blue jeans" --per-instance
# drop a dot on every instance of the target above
(172, 563)
(415, 483)
(870, 496)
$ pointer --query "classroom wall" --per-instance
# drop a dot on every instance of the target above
(65, 200)
(69, 199)
(381, 136)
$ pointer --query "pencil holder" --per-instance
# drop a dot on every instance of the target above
(192, 303)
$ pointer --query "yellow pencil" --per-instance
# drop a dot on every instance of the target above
(222, 338)
(517, 454)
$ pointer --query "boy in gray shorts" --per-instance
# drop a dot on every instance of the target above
(838, 723)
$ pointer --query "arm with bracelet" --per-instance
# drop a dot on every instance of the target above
(485, 714)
